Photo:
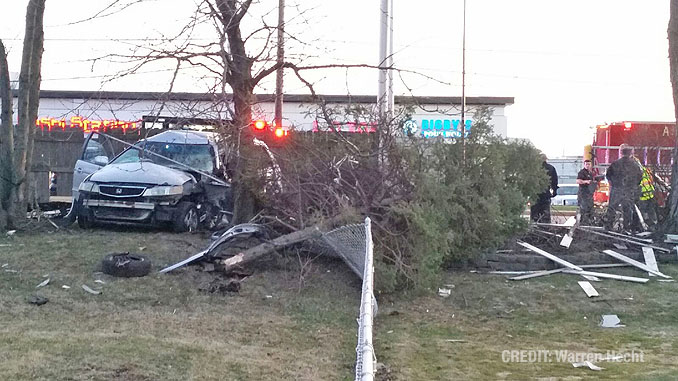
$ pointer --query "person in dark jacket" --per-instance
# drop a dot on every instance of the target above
(587, 185)
(624, 176)
(541, 210)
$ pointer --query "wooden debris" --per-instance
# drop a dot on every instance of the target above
(268, 247)
(91, 291)
(607, 276)
(537, 274)
(627, 240)
(587, 364)
(550, 256)
(43, 283)
(588, 289)
(650, 260)
(633, 262)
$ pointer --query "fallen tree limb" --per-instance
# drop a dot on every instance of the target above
(268, 247)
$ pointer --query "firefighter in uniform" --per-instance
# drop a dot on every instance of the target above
(541, 210)
(647, 201)
(587, 186)
(624, 176)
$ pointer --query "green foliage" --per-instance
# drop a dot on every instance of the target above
(468, 196)
(433, 202)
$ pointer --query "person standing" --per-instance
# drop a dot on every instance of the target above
(624, 176)
(587, 186)
(541, 210)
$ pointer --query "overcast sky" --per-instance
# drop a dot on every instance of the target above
(569, 65)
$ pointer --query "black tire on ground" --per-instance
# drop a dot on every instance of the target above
(84, 220)
(186, 217)
(126, 265)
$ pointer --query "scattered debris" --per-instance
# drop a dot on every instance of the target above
(608, 276)
(588, 289)
(91, 291)
(235, 231)
(537, 274)
(633, 262)
(620, 246)
(99, 281)
(455, 341)
(38, 300)
(5, 265)
(549, 256)
(126, 265)
(43, 283)
(611, 321)
(444, 292)
(223, 287)
(65, 287)
(671, 238)
(650, 260)
(10, 232)
(588, 364)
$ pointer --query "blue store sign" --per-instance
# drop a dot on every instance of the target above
(430, 128)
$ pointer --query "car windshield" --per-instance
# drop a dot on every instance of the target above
(197, 156)
(568, 190)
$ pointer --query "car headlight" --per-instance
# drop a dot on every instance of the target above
(88, 187)
(164, 190)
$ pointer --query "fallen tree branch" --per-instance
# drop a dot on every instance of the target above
(259, 251)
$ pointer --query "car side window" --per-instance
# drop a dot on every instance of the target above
(94, 150)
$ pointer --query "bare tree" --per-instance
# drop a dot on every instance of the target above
(17, 143)
(671, 223)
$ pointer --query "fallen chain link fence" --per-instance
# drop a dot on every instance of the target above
(353, 243)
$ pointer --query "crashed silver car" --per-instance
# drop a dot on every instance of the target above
(174, 178)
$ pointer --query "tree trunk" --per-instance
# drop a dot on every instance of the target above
(239, 77)
(6, 138)
(671, 223)
(18, 144)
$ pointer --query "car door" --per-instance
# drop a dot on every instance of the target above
(96, 152)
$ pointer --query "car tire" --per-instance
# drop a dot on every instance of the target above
(125, 265)
(84, 220)
(186, 217)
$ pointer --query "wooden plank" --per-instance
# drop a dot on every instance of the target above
(550, 256)
(650, 259)
(588, 289)
(633, 262)
(607, 276)
(537, 274)
(625, 240)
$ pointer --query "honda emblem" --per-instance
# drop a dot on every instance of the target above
(118, 190)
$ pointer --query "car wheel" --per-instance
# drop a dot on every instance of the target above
(125, 265)
(84, 220)
(186, 217)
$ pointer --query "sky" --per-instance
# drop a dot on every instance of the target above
(569, 65)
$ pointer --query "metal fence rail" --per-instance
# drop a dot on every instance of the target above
(353, 243)
(364, 369)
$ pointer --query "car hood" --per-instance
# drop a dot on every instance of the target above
(140, 172)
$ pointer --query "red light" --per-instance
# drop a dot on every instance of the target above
(628, 125)
(260, 125)
(279, 132)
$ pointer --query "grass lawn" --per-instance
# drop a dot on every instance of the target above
(285, 326)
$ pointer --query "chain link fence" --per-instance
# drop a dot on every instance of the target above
(353, 243)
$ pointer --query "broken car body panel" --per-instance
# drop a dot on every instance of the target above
(168, 178)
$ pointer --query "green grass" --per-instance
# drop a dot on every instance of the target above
(552, 313)
(161, 327)
(284, 326)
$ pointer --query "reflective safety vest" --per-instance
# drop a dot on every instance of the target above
(646, 185)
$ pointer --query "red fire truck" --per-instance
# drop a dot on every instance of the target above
(653, 144)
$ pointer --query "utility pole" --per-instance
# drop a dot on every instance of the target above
(383, 37)
(280, 59)
(463, 86)
(389, 62)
